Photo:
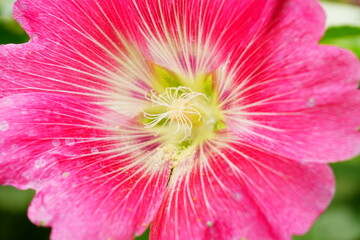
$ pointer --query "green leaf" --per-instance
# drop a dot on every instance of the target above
(14, 200)
(10, 31)
(345, 37)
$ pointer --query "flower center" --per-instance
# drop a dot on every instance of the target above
(182, 109)
(182, 112)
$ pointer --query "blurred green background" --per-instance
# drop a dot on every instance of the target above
(341, 221)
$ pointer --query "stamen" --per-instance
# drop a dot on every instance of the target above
(182, 108)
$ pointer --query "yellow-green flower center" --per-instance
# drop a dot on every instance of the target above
(183, 112)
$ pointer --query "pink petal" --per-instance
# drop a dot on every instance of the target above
(277, 30)
(52, 69)
(103, 51)
(281, 91)
(305, 112)
(76, 48)
(89, 182)
(243, 193)
(227, 30)
(96, 40)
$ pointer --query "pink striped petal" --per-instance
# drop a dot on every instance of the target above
(100, 175)
(243, 193)
(77, 48)
(89, 179)
(303, 105)
(101, 42)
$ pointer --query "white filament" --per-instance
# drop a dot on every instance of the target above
(180, 105)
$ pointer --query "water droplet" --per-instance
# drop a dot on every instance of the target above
(236, 196)
(55, 142)
(69, 142)
(311, 102)
(40, 163)
(42, 223)
(26, 175)
(65, 174)
(4, 125)
(34, 37)
(94, 150)
(209, 223)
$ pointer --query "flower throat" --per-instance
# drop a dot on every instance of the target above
(182, 112)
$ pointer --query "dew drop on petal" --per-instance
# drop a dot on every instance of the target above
(4, 125)
(94, 150)
(55, 142)
(42, 223)
(65, 174)
(26, 175)
(236, 196)
(69, 142)
(40, 163)
(34, 37)
(209, 223)
(311, 102)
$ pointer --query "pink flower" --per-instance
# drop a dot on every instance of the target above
(212, 119)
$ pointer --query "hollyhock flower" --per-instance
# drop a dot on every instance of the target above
(209, 119)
